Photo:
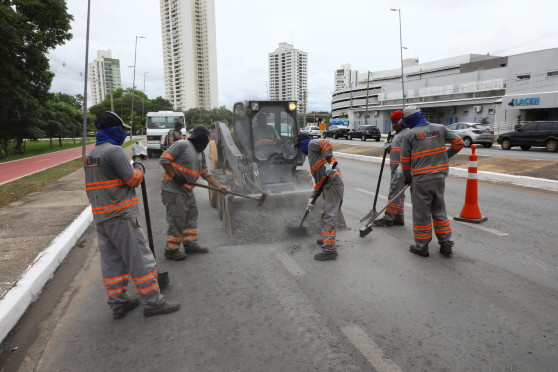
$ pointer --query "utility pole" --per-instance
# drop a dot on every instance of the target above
(84, 127)
(305, 95)
(134, 87)
(367, 89)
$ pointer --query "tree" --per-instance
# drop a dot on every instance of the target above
(28, 30)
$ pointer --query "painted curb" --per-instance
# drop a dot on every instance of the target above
(539, 183)
(29, 286)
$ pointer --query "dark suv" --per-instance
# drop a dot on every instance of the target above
(535, 133)
(335, 131)
(366, 131)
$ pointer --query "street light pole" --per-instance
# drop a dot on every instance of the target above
(143, 100)
(134, 87)
(84, 129)
(401, 50)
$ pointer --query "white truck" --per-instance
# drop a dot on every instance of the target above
(158, 125)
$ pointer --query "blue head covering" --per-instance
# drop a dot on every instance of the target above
(412, 117)
(302, 142)
(109, 129)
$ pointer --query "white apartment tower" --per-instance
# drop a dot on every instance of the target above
(345, 77)
(288, 75)
(189, 53)
(104, 76)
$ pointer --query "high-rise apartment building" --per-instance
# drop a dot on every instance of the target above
(189, 53)
(345, 77)
(288, 75)
(104, 76)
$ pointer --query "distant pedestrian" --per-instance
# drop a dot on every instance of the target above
(184, 162)
(425, 165)
(320, 158)
(176, 133)
(110, 182)
(394, 214)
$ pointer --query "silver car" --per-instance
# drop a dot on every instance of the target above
(312, 130)
(474, 133)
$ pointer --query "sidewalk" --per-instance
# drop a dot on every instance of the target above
(38, 231)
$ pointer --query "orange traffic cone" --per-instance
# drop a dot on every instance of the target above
(471, 211)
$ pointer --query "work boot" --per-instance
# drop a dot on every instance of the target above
(120, 310)
(383, 222)
(164, 307)
(420, 251)
(175, 255)
(194, 248)
(399, 220)
(445, 248)
(326, 255)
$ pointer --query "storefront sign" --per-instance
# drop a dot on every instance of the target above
(524, 101)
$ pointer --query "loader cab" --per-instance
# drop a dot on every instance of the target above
(267, 130)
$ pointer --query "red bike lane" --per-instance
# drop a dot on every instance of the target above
(12, 170)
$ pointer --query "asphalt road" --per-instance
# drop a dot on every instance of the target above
(258, 301)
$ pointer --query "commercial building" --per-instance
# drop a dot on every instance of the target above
(104, 76)
(288, 75)
(499, 90)
(189, 53)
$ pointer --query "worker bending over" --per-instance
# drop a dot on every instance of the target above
(320, 157)
(425, 164)
(184, 161)
(110, 182)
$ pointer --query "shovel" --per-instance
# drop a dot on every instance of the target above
(260, 200)
(373, 211)
(367, 228)
(162, 277)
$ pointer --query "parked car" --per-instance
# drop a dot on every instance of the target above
(312, 130)
(535, 133)
(473, 133)
(336, 131)
(366, 131)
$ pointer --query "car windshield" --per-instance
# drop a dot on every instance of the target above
(314, 128)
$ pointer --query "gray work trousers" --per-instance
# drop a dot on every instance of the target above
(429, 209)
(333, 198)
(182, 219)
(124, 252)
(397, 207)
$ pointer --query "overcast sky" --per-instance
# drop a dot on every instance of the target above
(363, 33)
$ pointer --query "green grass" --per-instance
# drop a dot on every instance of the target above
(33, 148)
(18, 189)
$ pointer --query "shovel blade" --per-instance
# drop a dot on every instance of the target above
(368, 216)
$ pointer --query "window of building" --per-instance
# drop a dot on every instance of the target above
(523, 76)
(465, 112)
(490, 111)
(552, 73)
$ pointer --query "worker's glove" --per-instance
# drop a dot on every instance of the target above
(139, 152)
(387, 145)
(310, 206)
(139, 165)
(179, 178)
(328, 170)
(408, 181)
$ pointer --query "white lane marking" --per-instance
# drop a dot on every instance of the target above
(369, 349)
(475, 225)
(290, 264)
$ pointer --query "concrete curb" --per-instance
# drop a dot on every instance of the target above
(538, 183)
(31, 283)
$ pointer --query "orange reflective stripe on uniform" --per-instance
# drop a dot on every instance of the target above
(264, 140)
(442, 227)
(146, 277)
(433, 168)
(318, 164)
(429, 152)
(104, 184)
(136, 178)
(185, 170)
(328, 237)
(319, 183)
(457, 144)
(148, 289)
(166, 155)
(116, 279)
(325, 145)
(190, 235)
(115, 207)
(116, 291)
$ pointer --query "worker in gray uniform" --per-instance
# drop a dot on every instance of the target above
(110, 182)
(425, 165)
(184, 162)
(176, 133)
(320, 158)
(394, 214)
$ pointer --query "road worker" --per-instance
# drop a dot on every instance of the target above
(110, 185)
(320, 158)
(425, 165)
(176, 133)
(183, 162)
(394, 214)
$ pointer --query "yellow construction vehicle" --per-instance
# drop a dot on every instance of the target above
(255, 154)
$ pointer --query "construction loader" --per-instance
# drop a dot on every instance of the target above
(256, 154)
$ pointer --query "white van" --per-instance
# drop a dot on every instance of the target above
(158, 125)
